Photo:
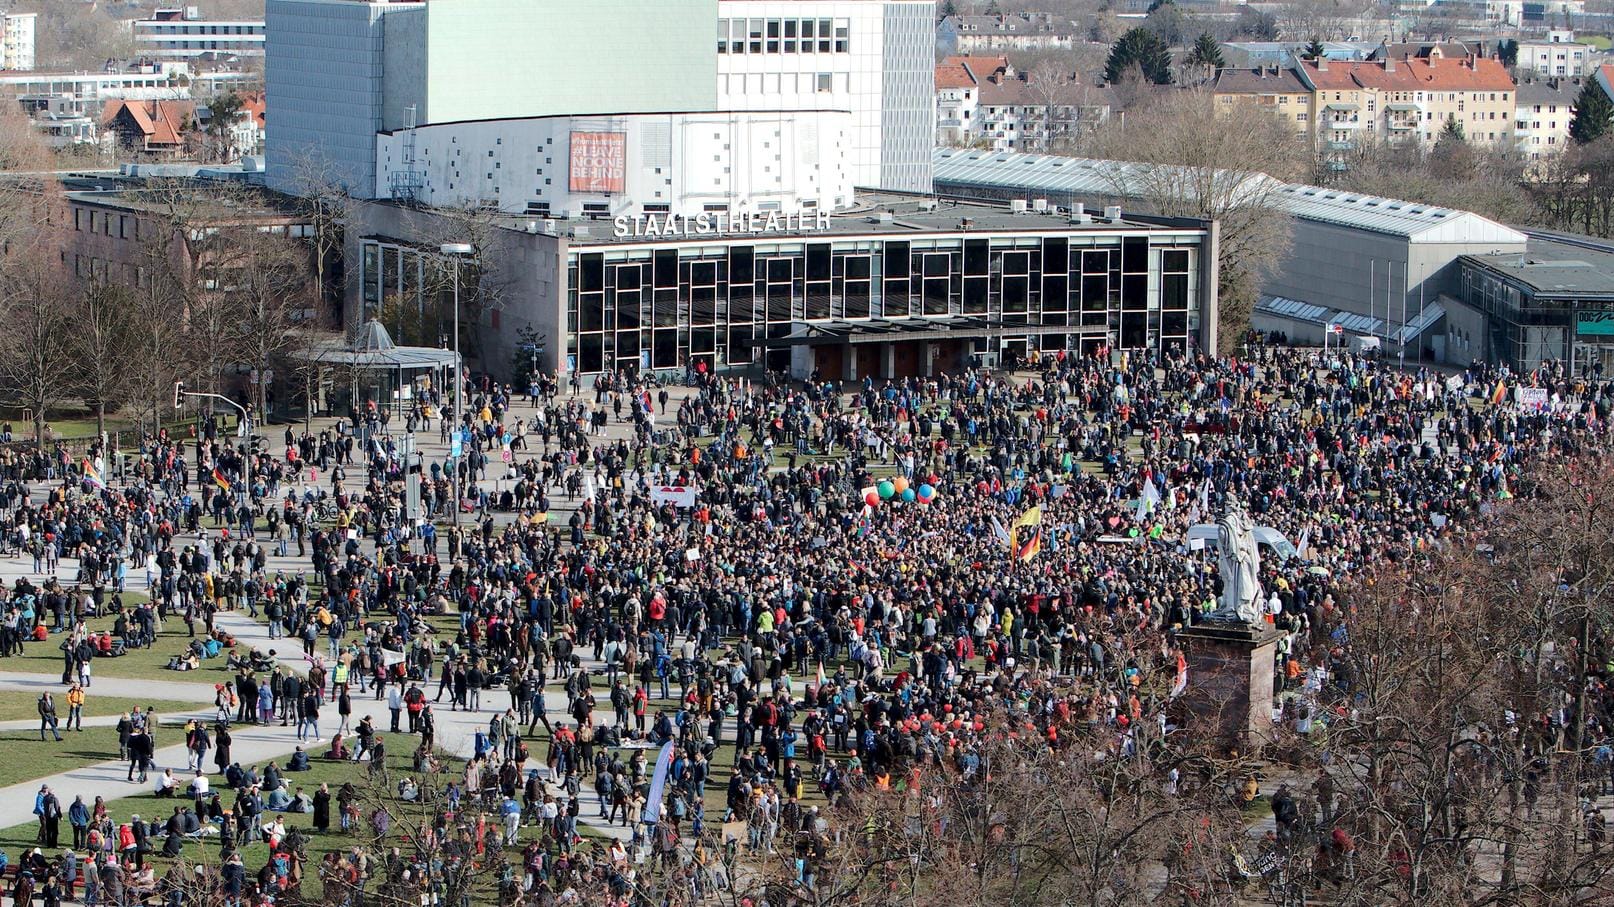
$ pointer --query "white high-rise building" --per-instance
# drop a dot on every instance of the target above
(341, 72)
(873, 58)
(17, 41)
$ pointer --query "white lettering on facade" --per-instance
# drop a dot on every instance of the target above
(711, 223)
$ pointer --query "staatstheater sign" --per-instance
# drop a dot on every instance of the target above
(713, 223)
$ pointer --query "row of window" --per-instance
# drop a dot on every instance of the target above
(166, 30)
(790, 36)
(89, 220)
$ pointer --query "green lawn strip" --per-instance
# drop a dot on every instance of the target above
(20, 707)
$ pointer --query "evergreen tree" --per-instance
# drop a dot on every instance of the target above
(1593, 113)
(1313, 51)
(1507, 52)
(1453, 130)
(1206, 52)
(948, 9)
(1142, 48)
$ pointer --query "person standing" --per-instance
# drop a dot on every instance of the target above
(75, 708)
(322, 808)
(51, 816)
(78, 816)
(47, 717)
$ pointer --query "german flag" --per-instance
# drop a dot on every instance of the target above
(220, 480)
(1499, 394)
(1029, 548)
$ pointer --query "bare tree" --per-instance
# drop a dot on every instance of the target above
(102, 347)
(1222, 166)
(34, 360)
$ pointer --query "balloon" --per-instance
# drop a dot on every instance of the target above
(932, 479)
(872, 499)
(900, 484)
(926, 492)
(886, 489)
(909, 495)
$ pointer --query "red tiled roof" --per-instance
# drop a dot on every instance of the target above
(967, 72)
(161, 122)
(1437, 73)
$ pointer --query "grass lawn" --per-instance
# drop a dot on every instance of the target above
(139, 664)
(28, 757)
(18, 707)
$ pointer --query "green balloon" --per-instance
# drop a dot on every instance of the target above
(886, 490)
(1133, 532)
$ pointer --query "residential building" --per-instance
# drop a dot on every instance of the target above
(243, 136)
(64, 121)
(1559, 56)
(1410, 99)
(958, 95)
(1276, 89)
(872, 58)
(1009, 31)
(984, 102)
(181, 33)
(17, 40)
(1544, 110)
(160, 128)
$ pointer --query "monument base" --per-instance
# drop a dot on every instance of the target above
(1229, 693)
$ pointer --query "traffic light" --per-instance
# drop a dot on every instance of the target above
(179, 394)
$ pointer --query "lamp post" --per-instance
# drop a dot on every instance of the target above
(455, 251)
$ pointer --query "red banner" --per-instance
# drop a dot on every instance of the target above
(599, 162)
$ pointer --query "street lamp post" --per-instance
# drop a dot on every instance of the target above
(455, 251)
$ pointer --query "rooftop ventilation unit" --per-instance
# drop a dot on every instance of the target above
(1017, 206)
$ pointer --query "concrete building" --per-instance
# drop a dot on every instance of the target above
(1410, 98)
(1010, 31)
(603, 166)
(181, 33)
(17, 41)
(340, 71)
(150, 81)
(1253, 54)
(1377, 265)
(872, 58)
(901, 286)
(1275, 89)
(1543, 111)
(1552, 300)
(1558, 56)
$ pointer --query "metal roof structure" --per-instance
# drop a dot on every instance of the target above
(1295, 310)
(963, 169)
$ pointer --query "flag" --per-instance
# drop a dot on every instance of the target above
(91, 476)
(821, 675)
(1305, 542)
(1499, 394)
(1002, 534)
(1181, 682)
(1032, 517)
(1032, 546)
(220, 480)
(1149, 499)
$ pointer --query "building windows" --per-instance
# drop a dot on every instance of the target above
(790, 36)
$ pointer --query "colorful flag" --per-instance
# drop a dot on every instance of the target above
(1002, 535)
(1181, 681)
(220, 480)
(1499, 394)
(91, 476)
(1032, 545)
(1032, 517)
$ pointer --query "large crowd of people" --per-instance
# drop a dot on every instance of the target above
(865, 585)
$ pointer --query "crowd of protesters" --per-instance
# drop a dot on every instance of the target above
(869, 583)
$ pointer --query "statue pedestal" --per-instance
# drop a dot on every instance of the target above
(1229, 694)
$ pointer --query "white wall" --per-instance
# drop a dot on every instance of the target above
(17, 41)
(685, 160)
(856, 80)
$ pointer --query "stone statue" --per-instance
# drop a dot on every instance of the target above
(1239, 561)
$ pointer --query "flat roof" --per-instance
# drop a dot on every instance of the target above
(1047, 173)
(1558, 264)
(884, 214)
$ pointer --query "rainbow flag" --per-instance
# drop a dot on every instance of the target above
(220, 480)
(93, 477)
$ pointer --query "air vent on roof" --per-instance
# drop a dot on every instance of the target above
(1039, 205)
(1017, 206)
(1113, 214)
(927, 204)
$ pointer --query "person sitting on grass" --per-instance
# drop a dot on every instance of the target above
(298, 762)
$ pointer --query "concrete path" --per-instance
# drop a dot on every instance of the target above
(170, 690)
